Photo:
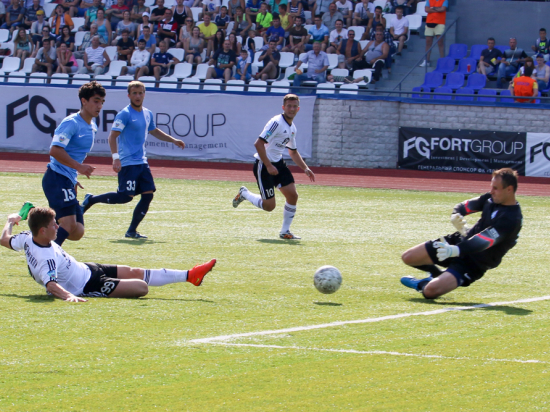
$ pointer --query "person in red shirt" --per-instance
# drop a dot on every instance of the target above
(525, 86)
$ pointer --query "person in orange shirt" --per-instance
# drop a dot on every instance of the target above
(525, 86)
(435, 26)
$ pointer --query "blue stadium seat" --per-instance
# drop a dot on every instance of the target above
(457, 51)
(463, 66)
(475, 51)
(487, 92)
(432, 80)
(420, 96)
(465, 90)
(506, 93)
(443, 90)
(476, 81)
(445, 65)
(502, 48)
(454, 80)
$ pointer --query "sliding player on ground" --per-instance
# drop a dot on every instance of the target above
(271, 170)
(68, 279)
(127, 141)
(72, 141)
(469, 253)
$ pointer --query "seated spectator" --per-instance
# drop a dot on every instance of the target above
(543, 72)
(30, 13)
(194, 46)
(336, 37)
(66, 37)
(223, 61)
(317, 61)
(157, 14)
(61, 19)
(218, 41)
(87, 41)
(167, 29)
(22, 43)
(126, 24)
(296, 9)
(252, 9)
(45, 59)
(95, 58)
(146, 23)
(373, 56)
(329, 19)
(377, 20)
(346, 8)
(90, 15)
(263, 19)
(524, 86)
(222, 19)
(407, 6)
(297, 38)
(399, 28)
(490, 58)
(348, 51)
(542, 45)
(250, 43)
(161, 62)
(232, 8)
(15, 17)
(66, 63)
(364, 12)
(244, 67)
(242, 24)
(186, 30)
(513, 58)
(115, 13)
(211, 6)
(103, 26)
(82, 7)
(37, 26)
(274, 33)
(271, 58)
(138, 61)
(318, 33)
(136, 14)
(150, 40)
(319, 7)
(125, 46)
(273, 5)
(235, 45)
(70, 6)
(208, 31)
(180, 13)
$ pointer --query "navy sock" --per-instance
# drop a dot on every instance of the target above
(140, 211)
(433, 269)
(113, 198)
(62, 235)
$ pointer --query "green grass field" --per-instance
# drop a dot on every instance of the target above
(136, 355)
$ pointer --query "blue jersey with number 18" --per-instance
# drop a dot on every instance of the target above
(77, 138)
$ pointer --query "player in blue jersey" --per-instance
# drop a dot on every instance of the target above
(127, 142)
(72, 141)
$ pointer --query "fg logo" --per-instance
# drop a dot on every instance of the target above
(538, 148)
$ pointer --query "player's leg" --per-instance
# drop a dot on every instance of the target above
(124, 194)
(145, 185)
(266, 199)
(288, 189)
(70, 229)
(439, 286)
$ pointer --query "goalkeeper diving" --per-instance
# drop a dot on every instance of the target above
(469, 252)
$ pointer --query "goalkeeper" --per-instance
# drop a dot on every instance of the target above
(468, 253)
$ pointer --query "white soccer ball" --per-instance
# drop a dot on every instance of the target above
(327, 279)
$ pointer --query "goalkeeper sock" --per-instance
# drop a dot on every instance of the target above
(255, 199)
(433, 269)
(113, 198)
(62, 235)
(161, 277)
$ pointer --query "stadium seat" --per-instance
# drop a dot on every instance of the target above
(78, 37)
(289, 72)
(281, 83)
(363, 73)
(417, 93)
(17, 77)
(502, 48)
(60, 78)
(380, 3)
(363, 43)
(359, 30)
(177, 53)
(212, 84)
(340, 72)
(191, 83)
(149, 81)
(48, 9)
(201, 71)
(27, 66)
(465, 90)
(415, 22)
(182, 70)
(11, 64)
(196, 11)
(443, 90)
(457, 51)
(112, 53)
(104, 79)
(149, 3)
(463, 66)
(389, 18)
(256, 64)
(506, 92)
(475, 51)
(348, 89)
(38, 78)
(78, 22)
(332, 61)
(122, 81)
(80, 79)
(445, 65)
(287, 60)
(326, 88)
(487, 92)
(421, 9)
(257, 89)
(432, 80)
(8, 45)
(258, 43)
(454, 80)
(238, 86)
(4, 35)
(476, 81)
(307, 14)
(168, 83)
(115, 67)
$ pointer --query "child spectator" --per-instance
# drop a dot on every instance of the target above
(244, 67)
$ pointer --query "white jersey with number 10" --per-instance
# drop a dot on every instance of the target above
(279, 135)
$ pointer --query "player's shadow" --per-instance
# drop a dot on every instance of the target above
(281, 242)
(137, 242)
(31, 298)
(509, 310)
(327, 304)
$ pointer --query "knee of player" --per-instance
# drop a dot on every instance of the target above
(430, 291)
(142, 289)
(269, 207)
(406, 257)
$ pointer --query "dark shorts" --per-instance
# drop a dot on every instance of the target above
(267, 182)
(103, 280)
(463, 269)
(219, 72)
(135, 179)
(163, 70)
(59, 191)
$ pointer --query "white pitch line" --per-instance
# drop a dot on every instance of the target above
(369, 320)
(377, 352)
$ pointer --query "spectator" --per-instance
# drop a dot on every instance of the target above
(187, 29)
(45, 59)
(317, 66)
(91, 14)
(38, 25)
(275, 33)
(103, 26)
(194, 46)
(146, 23)
(263, 19)
(22, 45)
(336, 37)
(435, 26)
(271, 58)
(244, 67)
(364, 11)
(222, 19)
(71, 7)
(329, 19)
(346, 8)
(66, 63)
(232, 7)
(242, 24)
(126, 24)
(377, 20)
(320, 7)
(211, 6)
(61, 19)
(250, 43)
(318, 33)
(524, 86)
(297, 38)
(286, 20)
(87, 41)
(399, 28)
(66, 37)
(157, 14)
(252, 9)
(168, 29)
(180, 13)
(125, 46)
(83, 6)
(511, 61)
(296, 9)
(30, 13)
(150, 39)
(235, 45)
(115, 14)
(96, 58)
(38, 40)
(161, 62)
(14, 17)
(2, 12)
(528, 62)
(208, 31)
(406, 4)
(542, 45)
(219, 38)
(136, 14)
(224, 59)
(543, 72)
(490, 58)
(375, 54)
(348, 51)
(138, 61)
(274, 5)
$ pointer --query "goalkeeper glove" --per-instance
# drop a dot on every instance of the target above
(445, 251)
(459, 222)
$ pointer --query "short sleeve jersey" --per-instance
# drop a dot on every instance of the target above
(52, 264)
(134, 127)
(163, 57)
(278, 135)
(318, 34)
(77, 138)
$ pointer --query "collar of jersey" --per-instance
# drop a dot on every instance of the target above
(45, 247)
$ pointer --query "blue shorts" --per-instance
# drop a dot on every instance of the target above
(60, 192)
(81, 12)
(219, 72)
(237, 76)
(135, 179)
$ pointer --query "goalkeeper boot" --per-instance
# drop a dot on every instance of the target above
(289, 236)
(416, 284)
(25, 209)
(197, 274)
(237, 200)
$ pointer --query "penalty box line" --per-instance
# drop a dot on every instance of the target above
(222, 338)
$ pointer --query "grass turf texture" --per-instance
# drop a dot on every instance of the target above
(110, 354)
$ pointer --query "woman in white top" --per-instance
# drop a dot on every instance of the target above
(543, 73)
(145, 16)
(194, 46)
(186, 30)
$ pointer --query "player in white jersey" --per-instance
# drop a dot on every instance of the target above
(271, 170)
(67, 279)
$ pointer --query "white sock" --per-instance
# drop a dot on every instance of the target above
(161, 277)
(288, 215)
(256, 200)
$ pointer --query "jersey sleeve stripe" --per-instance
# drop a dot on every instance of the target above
(274, 127)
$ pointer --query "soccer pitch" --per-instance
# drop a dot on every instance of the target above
(257, 335)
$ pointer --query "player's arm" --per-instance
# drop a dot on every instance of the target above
(297, 158)
(259, 144)
(13, 219)
(61, 155)
(113, 145)
(59, 292)
(159, 134)
(472, 206)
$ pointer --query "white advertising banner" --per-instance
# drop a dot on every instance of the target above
(213, 126)
(537, 155)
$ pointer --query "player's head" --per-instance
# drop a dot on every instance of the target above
(92, 97)
(42, 222)
(291, 105)
(136, 93)
(504, 185)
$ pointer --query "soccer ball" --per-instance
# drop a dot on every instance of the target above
(327, 279)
